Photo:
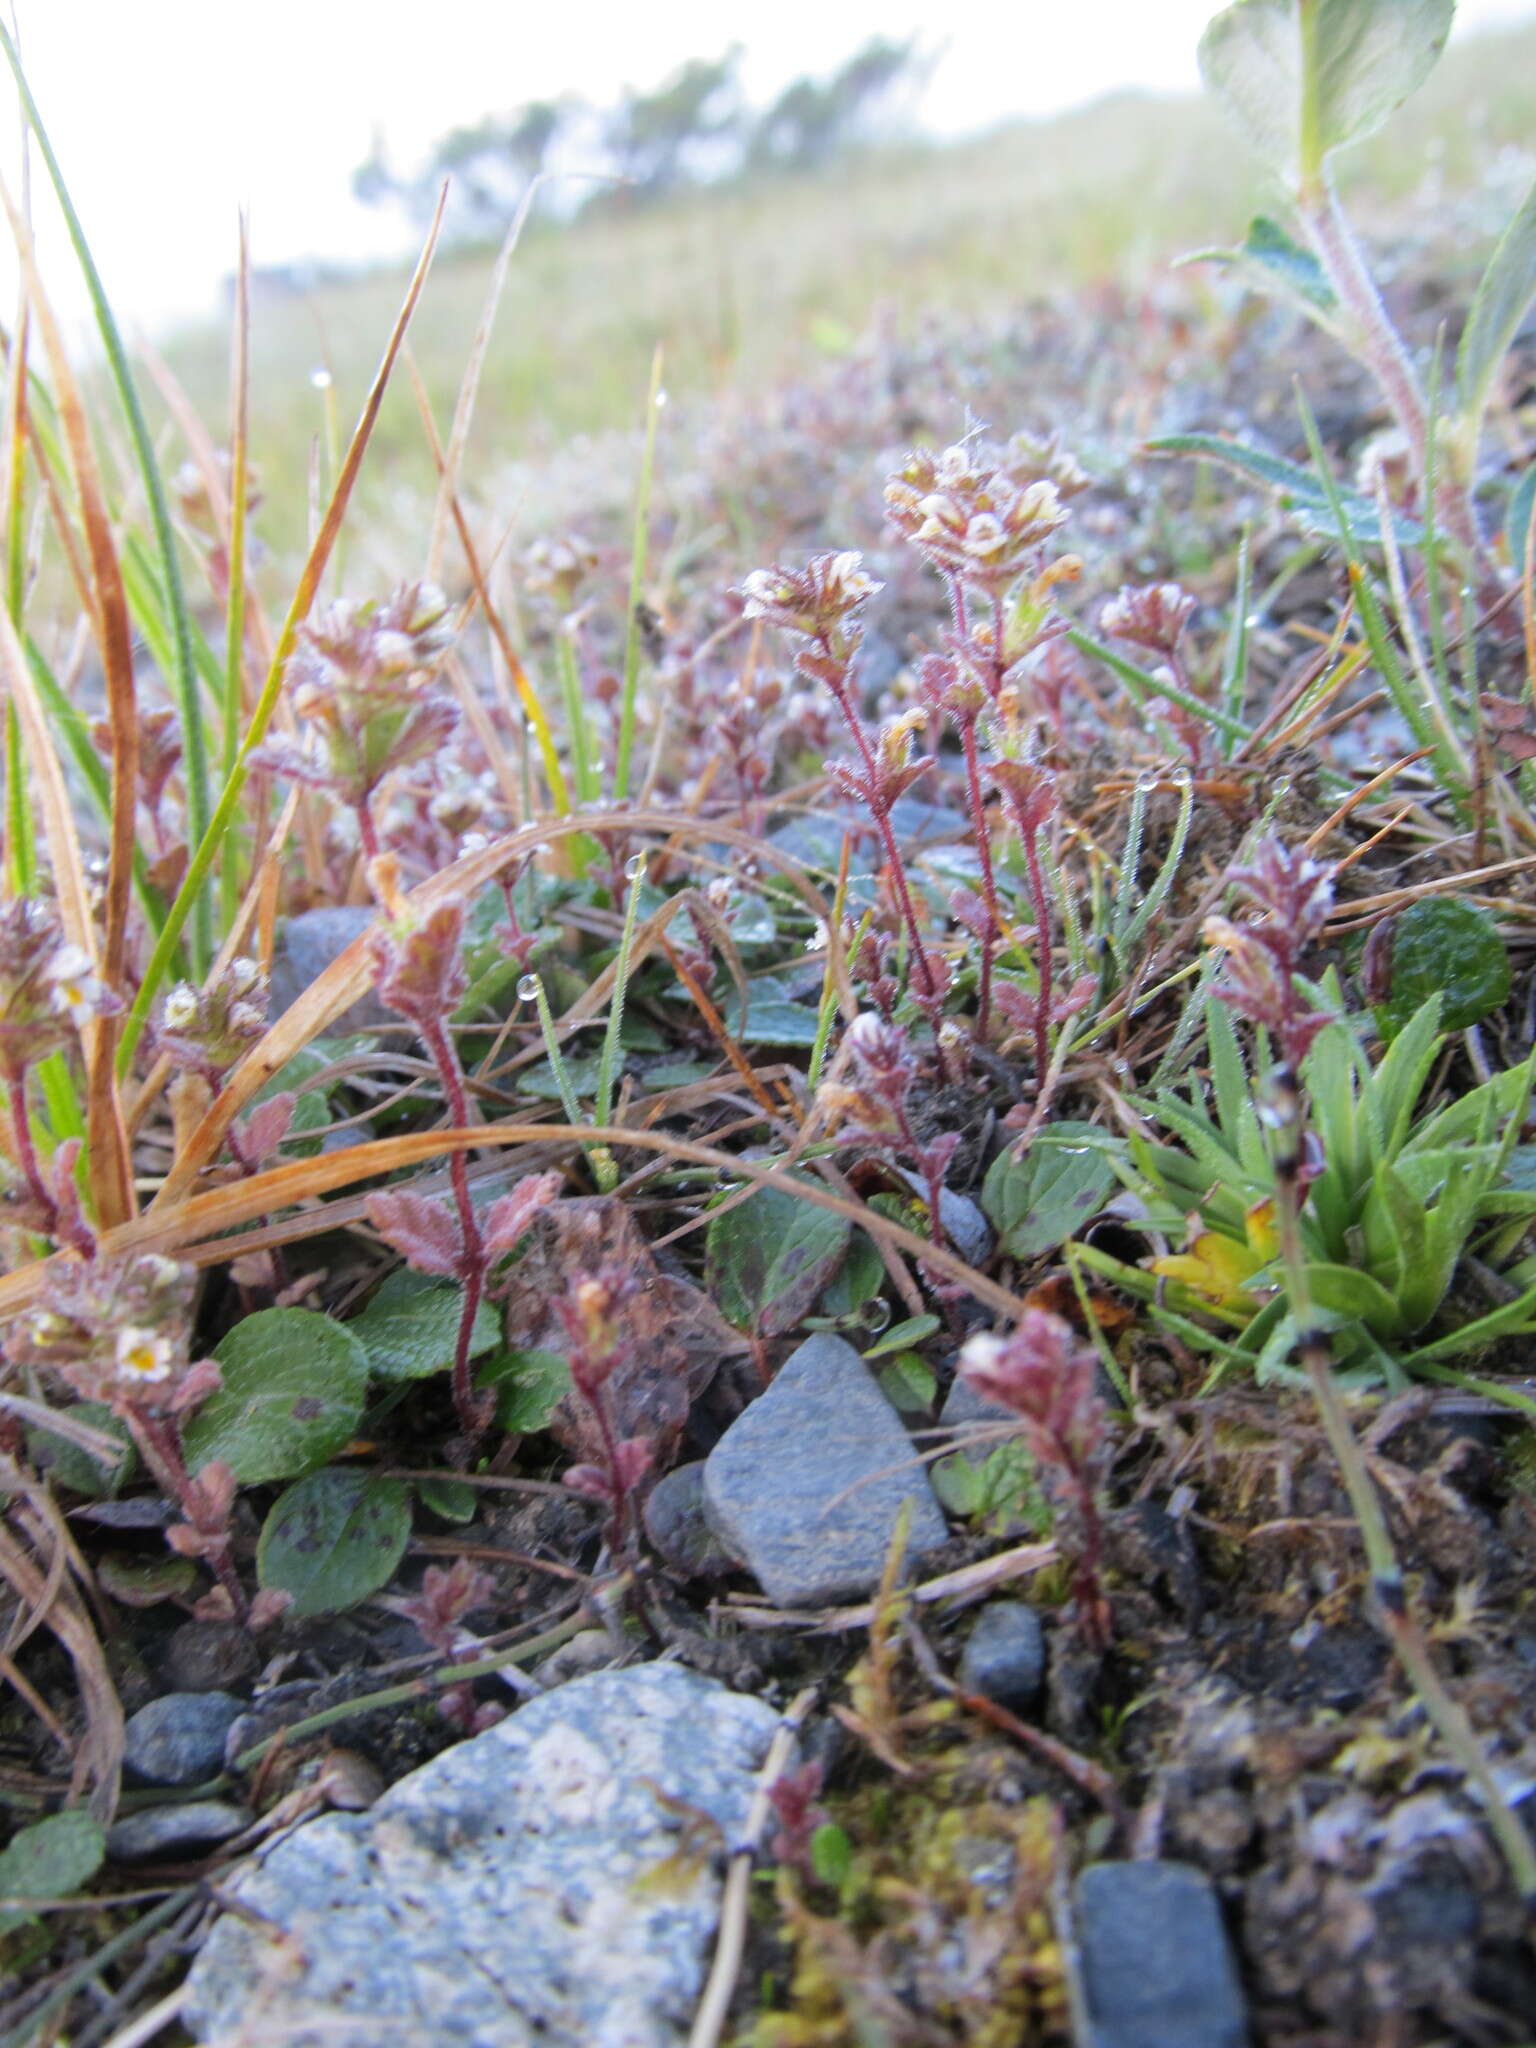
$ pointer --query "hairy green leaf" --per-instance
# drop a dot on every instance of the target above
(293, 1391)
(410, 1327)
(334, 1538)
(1039, 1201)
(768, 1258)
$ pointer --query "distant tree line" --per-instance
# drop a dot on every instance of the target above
(695, 128)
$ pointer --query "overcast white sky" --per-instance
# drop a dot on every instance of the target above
(168, 115)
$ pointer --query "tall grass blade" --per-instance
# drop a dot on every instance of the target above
(638, 553)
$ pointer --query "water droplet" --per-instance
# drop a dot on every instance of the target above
(874, 1316)
(634, 867)
(1147, 785)
(528, 988)
(661, 399)
(321, 379)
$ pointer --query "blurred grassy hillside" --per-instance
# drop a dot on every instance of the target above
(743, 285)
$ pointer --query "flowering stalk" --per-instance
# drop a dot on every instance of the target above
(818, 602)
(419, 963)
(1049, 1379)
(596, 1348)
(874, 1106)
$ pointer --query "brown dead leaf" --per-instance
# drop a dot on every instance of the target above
(676, 1337)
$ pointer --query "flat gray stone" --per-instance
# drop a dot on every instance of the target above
(969, 1233)
(175, 1830)
(306, 945)
(1157, 1971)
(1004, 1655)
(677, 1525)
(806, 1485)
(495, 1898)
(179, 1740)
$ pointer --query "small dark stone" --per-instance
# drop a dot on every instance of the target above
(675, 1523)
(1004, 1656)
(172, 1830)
(306, 946)
(1157, 1971)
(179, 1740)
(210, 1656)
(808, 1485)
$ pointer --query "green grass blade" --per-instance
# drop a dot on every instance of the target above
(638, 554)
(180, 675)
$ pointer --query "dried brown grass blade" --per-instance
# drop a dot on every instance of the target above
(350, 975)
(108, 1162)
(99, 1751)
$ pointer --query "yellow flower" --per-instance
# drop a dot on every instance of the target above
(1218, 1268)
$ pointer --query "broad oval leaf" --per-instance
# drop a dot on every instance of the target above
(411, 1326)
(529, 1386)
(49, 1860)
(768, 1258)
(1446, 946)
(332, 1539)
(294, 1384)
(1304, 77)
(1041, 1200)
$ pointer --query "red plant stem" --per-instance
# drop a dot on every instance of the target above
(882, 818)
(159, 1440)
(473, 1261)
(988, 879)
(365, 829)
(1042, 951)
(26, 1153)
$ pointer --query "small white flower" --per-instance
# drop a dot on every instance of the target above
(143, 1356)
(72, 982)
(181, 1006)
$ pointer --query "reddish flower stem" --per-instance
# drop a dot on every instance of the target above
(470, 1408)
(1042, 952)
(159, 1442)
(988, 878)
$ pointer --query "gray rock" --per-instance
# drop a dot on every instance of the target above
(1156, 1968)
(676, 1523)
(1004, 1656)
(495, 1897)
(207, 1656)
(306, 945)
(175, 1830)
(807, 1484)
(969, 1233)
(179, 1740)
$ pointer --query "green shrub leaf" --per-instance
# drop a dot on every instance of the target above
(334, 1538)
(410, 1327)
(529, 1386)
(768, 1258)
(293, 1391)
(1447, 946)
(49, 1860)
(1304, 77)
(1039, 1201)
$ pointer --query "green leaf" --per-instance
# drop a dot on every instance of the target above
(455, 1500)
(831, 1854)
(71, 1465)
(1039, 1201)
(768, 1258)
(1498, 306)
(857, 1282)
(334, 1538)
(294, 1385)
(1301, 492)
(529, 1386)
(1269, 262)
(911, 1331)
(1520, 524)
(773, 1016)
(146, 1583)
(1304, 77)
(410, 1327)
(1444, 945)
(908, 1383)
(49, 1860)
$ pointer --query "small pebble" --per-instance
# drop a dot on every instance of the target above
(1005, 1656)
(1157, 1971)
(179, 1740)
(170, 1830)
(676, 1524)
(210, 1656)
(808, 1484)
